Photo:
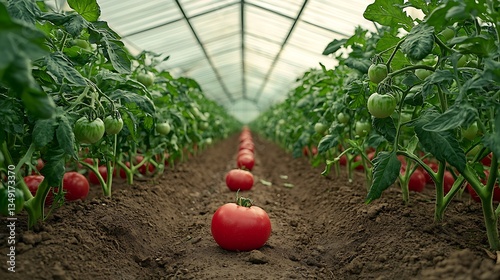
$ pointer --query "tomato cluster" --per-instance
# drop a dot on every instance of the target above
(241, 226)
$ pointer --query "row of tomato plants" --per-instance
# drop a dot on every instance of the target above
(73, 99)
(240, 225)
(417, 95)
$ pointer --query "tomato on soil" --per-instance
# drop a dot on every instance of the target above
(245, 161)
(238, 179)
(75, 185)
(240, 228)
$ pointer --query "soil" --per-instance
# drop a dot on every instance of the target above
(160, 229)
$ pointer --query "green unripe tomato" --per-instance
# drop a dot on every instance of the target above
(82, 44)
(343, 118)
(462, 61)
(163, 128)
(470, 133)
(88, 132)
(381, 105)
(362, 128)
(320, 128)
(377, 72)
(147, 79)
(446, 34)
(13, 200)
(113, 125)
(423, 73)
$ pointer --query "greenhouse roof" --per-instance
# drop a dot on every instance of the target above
(245, 54)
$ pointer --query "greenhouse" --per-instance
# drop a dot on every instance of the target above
(231, 139)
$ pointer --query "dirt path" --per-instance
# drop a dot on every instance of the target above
(160, 229)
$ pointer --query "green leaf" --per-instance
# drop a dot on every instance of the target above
(24, 10)
(11, 116)
(442, 144)
(115, 52)
(75, 25)
(327, 142)
(481, 45)
(439, 77)
(386, 168)
(419, 42)
(356, 92)
(39, 104)
(361, 65)
(385, 127)
(437, 18)
(388, 13)
(491, 70)
(65, 136)
(89, 9)
(63, 70)
(43, 132)
(126, 98)
(334, 46)
(55, 166)
(456, 116)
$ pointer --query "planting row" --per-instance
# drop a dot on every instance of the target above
(417, 101)
(75, 104)
(241, 226)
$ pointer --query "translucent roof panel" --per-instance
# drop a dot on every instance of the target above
(245, 54)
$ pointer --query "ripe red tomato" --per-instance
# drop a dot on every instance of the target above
(245, 161)
(75, 185)
(417, 181)
(496, 189)
(245, 151)
(123, 175)
(247, 145)
(314, 150)
(143, 168)
(240, 228)
(434, 166)
(103, 170)
(238, 179)
(33, 181)
(343, 160)
(486, 161)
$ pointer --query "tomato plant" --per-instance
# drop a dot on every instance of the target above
(240, 226)
(238, 179)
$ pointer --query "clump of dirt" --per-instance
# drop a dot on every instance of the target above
(160, 229)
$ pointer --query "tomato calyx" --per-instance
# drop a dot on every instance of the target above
(243, 201)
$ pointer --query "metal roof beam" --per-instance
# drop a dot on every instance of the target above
(276, 58)
(243, 67)
(202, 46)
